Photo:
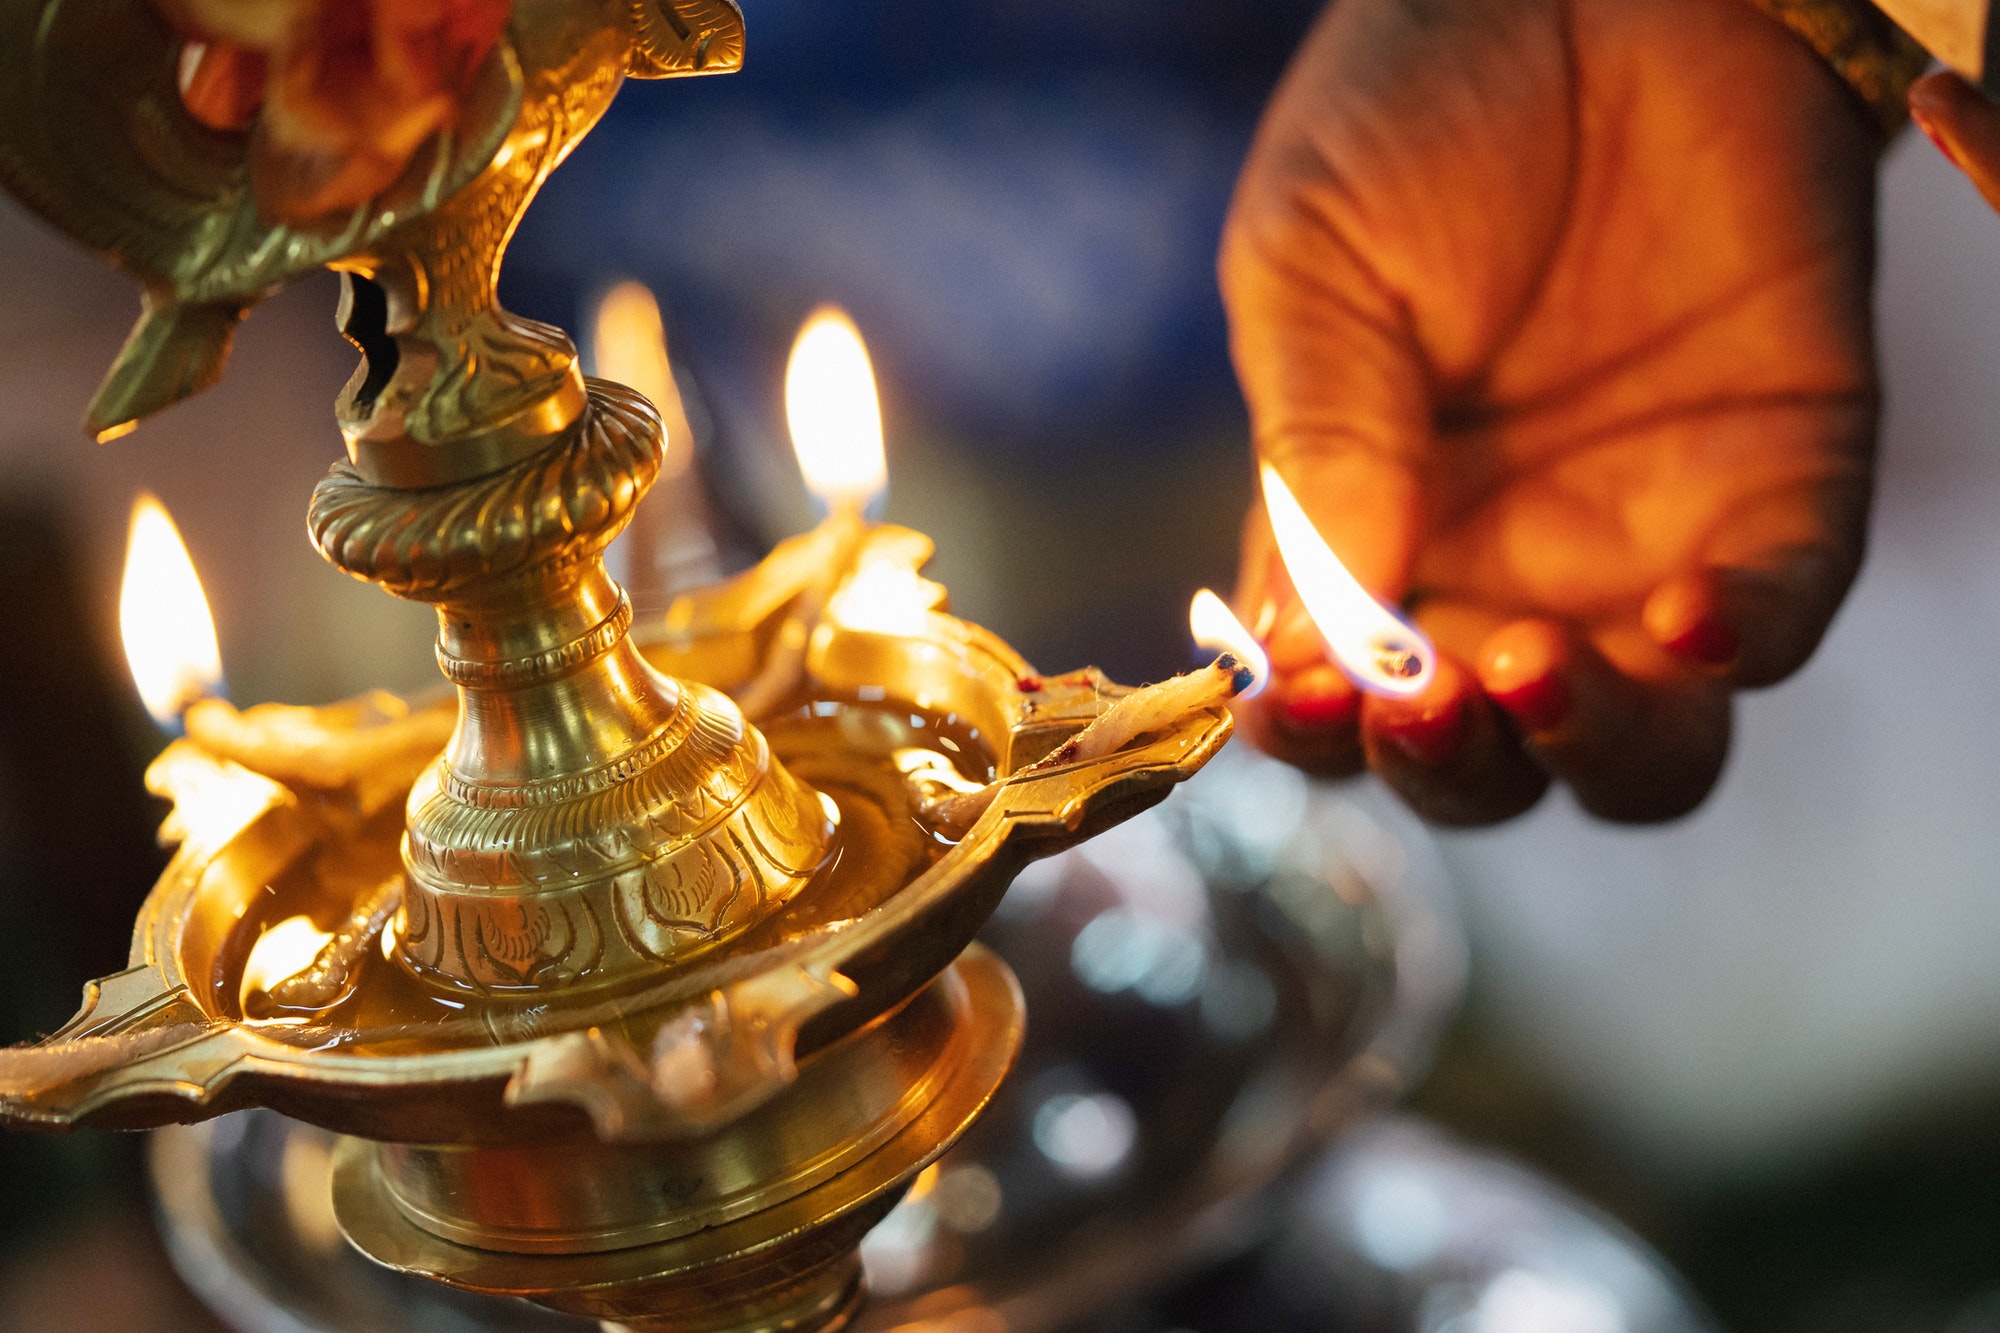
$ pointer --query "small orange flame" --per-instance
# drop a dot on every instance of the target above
(163, 617)
(280, 953)
(884, 596)
(629, 345)
(834, 413)
(1377, 649)
(1216, 628)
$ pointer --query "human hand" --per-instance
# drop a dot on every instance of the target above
(1555, 317)
(1964, 125)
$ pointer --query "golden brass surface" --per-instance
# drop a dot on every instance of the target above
(671, 1003)
(591, 819)
(395, 1063)
(501, 1221)
(586, 1196)
(93, 136)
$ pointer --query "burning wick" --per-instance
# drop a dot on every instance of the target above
(835, 419)
(1376, 648)
(1149, 709)
(834, 412)
(163, 618)
(1216, 628)
(371, 748)
(296, 970)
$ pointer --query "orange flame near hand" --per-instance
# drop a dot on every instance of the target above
(1377, 649)
(629, 344)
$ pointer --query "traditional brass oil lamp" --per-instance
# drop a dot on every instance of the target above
(641, 1001)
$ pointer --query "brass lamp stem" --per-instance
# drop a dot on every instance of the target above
(593, 820)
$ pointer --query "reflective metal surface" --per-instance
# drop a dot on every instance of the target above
(627, 933)
(1228, 981)
(1403, 1227)
(1217, 986)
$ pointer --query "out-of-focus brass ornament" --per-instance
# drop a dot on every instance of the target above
(634, 1006)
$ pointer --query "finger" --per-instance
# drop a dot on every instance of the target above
(1773, 572)
(1963, 124)
(1636, 745)
(1396, 212)
(1745, 628)
(1310, 719)
(1339, 403)
(1450, 753)
(1309, 713)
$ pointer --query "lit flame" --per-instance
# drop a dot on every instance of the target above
(1216, 628)
(884, 596)
(1379, 651)
(163, 617)
(280, 953)
(214, 799)
(834, 414)
(629, 345)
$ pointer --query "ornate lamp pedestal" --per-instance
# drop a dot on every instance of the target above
(629, 1005)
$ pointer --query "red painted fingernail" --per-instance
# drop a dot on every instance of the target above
(1316, 712)
(1710, 642)
(1930, 132)
(1317, 699)
(1541, 703)
(1429, 737)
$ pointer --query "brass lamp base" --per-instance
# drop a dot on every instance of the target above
(751, 1228)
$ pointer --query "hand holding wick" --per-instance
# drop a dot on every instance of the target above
(1555, 319)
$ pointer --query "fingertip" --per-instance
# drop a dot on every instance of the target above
(1316, 699)
(1450, 753)
(1309, 718)
(1522, 668)
(1688, 616)
(1429, 728)
(1638, 744)
(1964, 123)
(1925, 118)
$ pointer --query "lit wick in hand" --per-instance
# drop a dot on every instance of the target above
(1373, 646)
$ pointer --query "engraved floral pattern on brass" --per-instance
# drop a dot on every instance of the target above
(784, 1255)
(592, 819)
(847, 1103)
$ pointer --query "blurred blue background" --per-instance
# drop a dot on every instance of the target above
(1020, 207)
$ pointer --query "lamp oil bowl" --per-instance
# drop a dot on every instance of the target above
(640, 975)
(591, 1145)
